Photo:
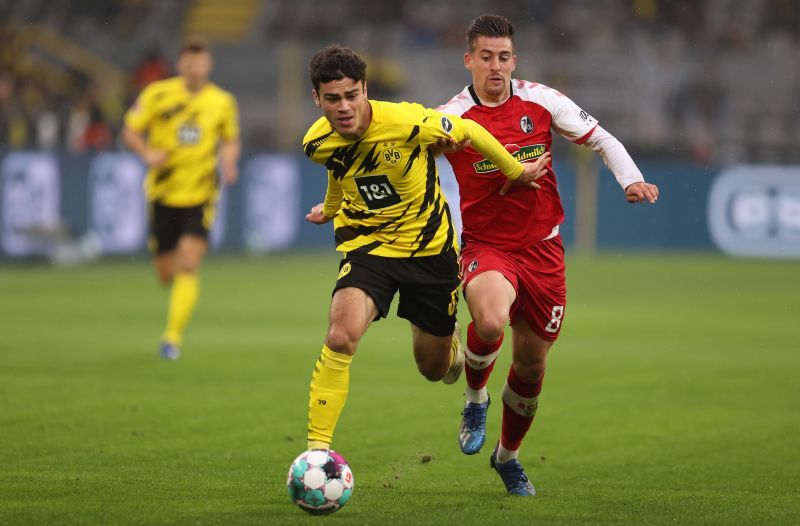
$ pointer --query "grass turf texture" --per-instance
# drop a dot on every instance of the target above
(671, 397)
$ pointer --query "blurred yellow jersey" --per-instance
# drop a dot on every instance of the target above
(188, 127)
(385, 185)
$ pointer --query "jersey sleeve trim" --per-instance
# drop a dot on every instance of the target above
(586, 136)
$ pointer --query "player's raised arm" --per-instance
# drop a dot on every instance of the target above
(467, 130)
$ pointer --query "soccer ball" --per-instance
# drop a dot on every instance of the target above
(319, 481)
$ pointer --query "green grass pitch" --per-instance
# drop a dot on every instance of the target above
(672, 396)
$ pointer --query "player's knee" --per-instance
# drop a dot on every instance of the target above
(164, 277)
(490, 326)
(341, 340)
(531, 372)
(188, 266)
(432, 371)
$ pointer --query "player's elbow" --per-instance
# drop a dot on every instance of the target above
(233, 145)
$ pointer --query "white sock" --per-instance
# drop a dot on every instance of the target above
(476, 396)
(504, 455)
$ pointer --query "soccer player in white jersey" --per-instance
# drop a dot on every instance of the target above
(512, 256)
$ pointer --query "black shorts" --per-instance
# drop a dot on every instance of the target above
(169, 223)
(428, 287)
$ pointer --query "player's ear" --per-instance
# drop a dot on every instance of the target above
(316, 98)
(365, 89)
(468, 61)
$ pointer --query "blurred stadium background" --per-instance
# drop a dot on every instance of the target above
(673, 394)
(692, 88)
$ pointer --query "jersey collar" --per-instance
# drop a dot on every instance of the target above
(477, 99)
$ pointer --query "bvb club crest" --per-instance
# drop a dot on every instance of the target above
(392, 156)
(526, 124)
(345, 270)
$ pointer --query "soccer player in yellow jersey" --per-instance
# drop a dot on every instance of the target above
(182, 127)
(391, 222)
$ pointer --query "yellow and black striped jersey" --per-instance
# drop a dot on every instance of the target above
(188, 127)
(383, 187)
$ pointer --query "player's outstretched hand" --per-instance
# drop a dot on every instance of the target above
(449, 145)
(532, 172)
(641, 192)
(316, 216)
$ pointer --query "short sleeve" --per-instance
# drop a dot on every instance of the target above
(139, 116)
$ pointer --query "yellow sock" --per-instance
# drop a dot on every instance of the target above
(330, 383)
(182, 299)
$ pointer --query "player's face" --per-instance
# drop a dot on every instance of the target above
(345, 105)
(195, 67)
(491, 63)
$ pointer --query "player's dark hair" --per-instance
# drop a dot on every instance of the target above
(195, 44)
(336, 62)
(489, 26)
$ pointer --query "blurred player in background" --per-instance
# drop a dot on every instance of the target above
(512, 258)
(181, 127)
(391, 222)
